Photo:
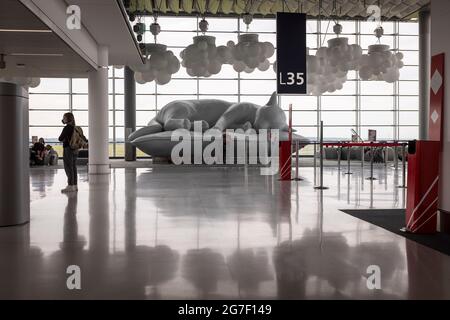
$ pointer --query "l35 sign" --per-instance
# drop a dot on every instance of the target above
(291, 53)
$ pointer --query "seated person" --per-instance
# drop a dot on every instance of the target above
(51, 157)
(38, 152)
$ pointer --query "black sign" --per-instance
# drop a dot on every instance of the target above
(291, 53)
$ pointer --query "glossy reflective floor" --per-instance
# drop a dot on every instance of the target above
(171, 232)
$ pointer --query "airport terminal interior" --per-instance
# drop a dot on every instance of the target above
(153, 150)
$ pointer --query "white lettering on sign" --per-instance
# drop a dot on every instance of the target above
(292, 78)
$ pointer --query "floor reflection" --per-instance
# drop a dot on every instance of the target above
(195, 232)
(41, 180)
(307, 268)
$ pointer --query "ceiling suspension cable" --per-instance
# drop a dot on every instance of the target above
(320, 21)
(287, 6)
(246, 8)
(379, 6)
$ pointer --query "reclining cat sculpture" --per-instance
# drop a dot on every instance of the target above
(219, 114)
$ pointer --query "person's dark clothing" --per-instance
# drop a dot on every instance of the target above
(69, 156)
(70, 165)
(38, 147)
(33, 159)
(36, 153)
(66, 135)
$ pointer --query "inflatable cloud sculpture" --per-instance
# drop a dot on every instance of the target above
(341, 55)
(327, 70)
(249, 53)
(322, 76)
(203, 58)
(381, 64)
(159, 67)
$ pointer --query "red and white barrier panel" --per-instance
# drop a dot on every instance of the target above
(285, 153)
(423, 187)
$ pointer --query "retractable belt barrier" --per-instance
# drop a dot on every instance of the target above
(349, 145)
(372, 145)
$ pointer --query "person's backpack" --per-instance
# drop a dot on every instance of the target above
(78, 140)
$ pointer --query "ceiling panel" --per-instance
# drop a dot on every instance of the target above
(345, 9)
(31, 49)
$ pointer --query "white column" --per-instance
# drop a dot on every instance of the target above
(98, 116)
(440, 26)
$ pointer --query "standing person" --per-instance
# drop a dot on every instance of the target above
(69, 155)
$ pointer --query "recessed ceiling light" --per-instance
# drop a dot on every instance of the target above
(26, 30)
(37, 54)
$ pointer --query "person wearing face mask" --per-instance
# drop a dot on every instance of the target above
(70, 155)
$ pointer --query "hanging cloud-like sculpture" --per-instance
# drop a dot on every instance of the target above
(159, 66)
(249, 54)
(203, 59)
(381, 64)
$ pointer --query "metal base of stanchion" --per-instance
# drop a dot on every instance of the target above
(371, 178)
(405, 230)
(402, 187)
(321, 188)
(348, 172)
(292, 179)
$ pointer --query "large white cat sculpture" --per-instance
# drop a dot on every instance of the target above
(222, 115)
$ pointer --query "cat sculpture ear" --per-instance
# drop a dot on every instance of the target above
(273, 100)
(276, 118)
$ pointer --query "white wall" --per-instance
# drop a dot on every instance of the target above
(440, 42)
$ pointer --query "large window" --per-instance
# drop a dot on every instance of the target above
(391, 109)
(54, 97)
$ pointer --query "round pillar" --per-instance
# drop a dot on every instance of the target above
(15, 161)
(98, 116)
(130, 112)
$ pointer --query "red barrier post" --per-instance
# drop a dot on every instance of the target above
(285, 153)
(423, 187)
